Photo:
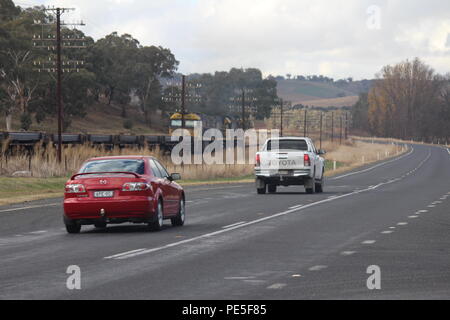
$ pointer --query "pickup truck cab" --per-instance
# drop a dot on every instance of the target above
(289, 161)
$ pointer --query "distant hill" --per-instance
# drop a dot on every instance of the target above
(101, 119)
(322, 94)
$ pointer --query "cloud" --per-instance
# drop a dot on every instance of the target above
(333, 38)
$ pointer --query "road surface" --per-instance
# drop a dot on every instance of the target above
(240, 245)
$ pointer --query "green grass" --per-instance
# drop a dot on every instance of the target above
(329, 165)
(18, 189)
(292, 88)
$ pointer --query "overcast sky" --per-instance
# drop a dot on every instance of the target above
(336, 38)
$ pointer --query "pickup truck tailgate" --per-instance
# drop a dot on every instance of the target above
(279, 160)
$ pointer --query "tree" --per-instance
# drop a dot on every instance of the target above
(405, 100)
(360, 113)
(151, 64)
(16, 57)
(112, 61)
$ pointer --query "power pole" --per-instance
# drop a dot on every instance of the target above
(321, 119)
(58, 82)
(304, 124)
(340, 132)
(281, 117)
(183, 101)
(346, 126)
(332, 126)
(40, 42)
(243, 109)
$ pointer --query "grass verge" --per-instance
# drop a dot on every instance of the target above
(347, 157)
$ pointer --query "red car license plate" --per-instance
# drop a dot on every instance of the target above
(103, 194)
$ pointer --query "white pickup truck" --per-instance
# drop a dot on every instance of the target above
(289, 161)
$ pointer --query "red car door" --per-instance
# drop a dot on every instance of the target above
(160, 182)
(172, 193)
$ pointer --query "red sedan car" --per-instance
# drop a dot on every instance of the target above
(122, 189)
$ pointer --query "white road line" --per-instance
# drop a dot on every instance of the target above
(31, 207)
(431, 206)
(387, 232)
(422, 211)
(234, 224)
(437, 202)
(127, 255)
(347, 253)
(38, 232)
(295, 207)
(413, 217)
(318, 268)
(276, 286)
(239, 278)
(391, 227)
(402, 223)
(123, 253)
(368, 242)
(371, 168)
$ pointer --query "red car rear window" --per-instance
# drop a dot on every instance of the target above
(114, 165)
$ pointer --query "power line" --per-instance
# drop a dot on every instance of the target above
(39, 41)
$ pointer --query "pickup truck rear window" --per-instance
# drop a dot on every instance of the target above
(287, 145)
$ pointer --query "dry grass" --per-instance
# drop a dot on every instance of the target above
(353, 154)
(49, 177)
(43, 163)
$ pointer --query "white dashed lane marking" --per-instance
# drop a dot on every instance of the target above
(368, 242)
(38, 232)
(233, 225)
(124, 253)
(31, 207)
(347, 253)
(317, 268)
(276, 286)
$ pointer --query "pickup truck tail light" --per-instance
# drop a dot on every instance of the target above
(135, 186)
(307, 160)
(75, 188)
(258, 160)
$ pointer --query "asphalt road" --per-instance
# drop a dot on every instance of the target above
(240, 245)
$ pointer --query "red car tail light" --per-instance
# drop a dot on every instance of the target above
(307, 160)
(135, 186)
(75, 188)
(258, 160)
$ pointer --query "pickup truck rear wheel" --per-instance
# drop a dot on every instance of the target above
(311, 188)
(319, 185)
(272, 188)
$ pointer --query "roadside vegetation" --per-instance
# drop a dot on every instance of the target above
(24, 178)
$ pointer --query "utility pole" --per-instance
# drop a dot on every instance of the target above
(40, 42)
(304, 124)
(281, 117)
(340, 132)
(183, 101)
(58, 82)
(243, 109)
(321, 119)
(346, 126)
(332, 126)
